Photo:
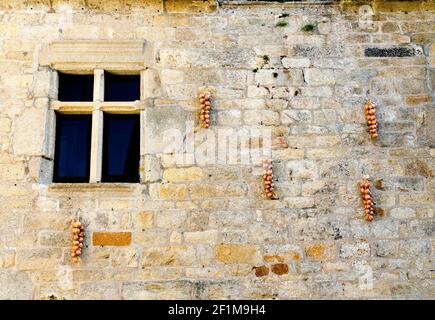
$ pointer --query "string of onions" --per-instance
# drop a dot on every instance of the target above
(370, 111)
(268, 178)
(204, 113)
(366, 197)
(77, 237)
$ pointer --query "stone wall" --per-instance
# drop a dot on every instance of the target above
(207, 231)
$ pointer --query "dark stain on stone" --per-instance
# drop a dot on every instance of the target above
(379, 212)
(280, 268)
(378, 184)
(261, 271)
(390, 52)
(199, 288)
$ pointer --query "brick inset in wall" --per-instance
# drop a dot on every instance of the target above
(111, 239)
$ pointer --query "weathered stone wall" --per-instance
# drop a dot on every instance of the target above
(207, 231)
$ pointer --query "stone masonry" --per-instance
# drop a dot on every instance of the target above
(201, 231)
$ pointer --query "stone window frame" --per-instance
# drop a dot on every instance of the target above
(97, 108)
(94, 57)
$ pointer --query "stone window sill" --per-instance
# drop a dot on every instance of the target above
(274, 2)
(130, 188)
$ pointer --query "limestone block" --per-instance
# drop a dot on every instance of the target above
(287, 154)
(7, 258)
(10, 220)
(229, 219)
(149, 6)
(174, 219)
(5, 125)
(182, 174)
(314, 187)
(276, 104)
(413, 86)
(416, 199)
(264, 117)
(431, 129)
(81, 32)
(416, 100)
(206, 190)
(29, 132)
(386, 229)
(299, 202)
(403, 213)
(152, 171)
(150, 237)
(201, 237)
(99, 290)
(179, 255)
(223, 289)
(296, 116)
(310, 229)
(78, 54)
(318, 77)
(151, 86)
(355, 250)
(302, 169)
(166, 129)
(181, 91)
(257, 92)
(415, 247)
(10, 172)
(125, 258)
(152, 290)
(38, 259)
(304, 103)
(144, 219)
(54, 239)
(231, 118)
(231, 57)
(15, 286)
(295, 62)
(237, 253)
(168, 191)
(171, 76)
(190, 6)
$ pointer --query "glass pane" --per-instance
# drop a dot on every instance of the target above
(121, 148)
(73, 148)
(75, 87)
(121, 87)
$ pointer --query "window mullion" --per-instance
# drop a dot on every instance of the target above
(97, 128)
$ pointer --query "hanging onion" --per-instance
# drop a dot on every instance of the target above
(204, 113)
(268, 178)
(77, 236)
(367, 200)
(370, 111)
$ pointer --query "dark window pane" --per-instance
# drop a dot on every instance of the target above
(73, 148)
(121, 148)
(75, 87)
(121, 87)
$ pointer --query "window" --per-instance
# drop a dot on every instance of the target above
(73, 148)
(97, 128)
(120, 148)
(75, 87)
(121, 87)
